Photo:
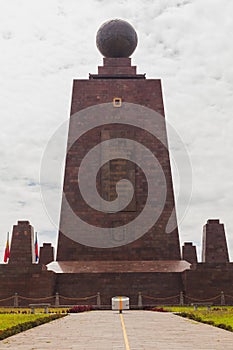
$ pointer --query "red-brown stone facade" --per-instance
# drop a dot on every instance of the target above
(214, 245)
(117, 79)
(189, 252)
(46, 254)
(22, 244)
(22, 275)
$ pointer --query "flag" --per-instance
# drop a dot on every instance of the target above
(36, 249)
(7, 249)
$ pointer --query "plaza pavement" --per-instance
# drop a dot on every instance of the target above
(134, 330)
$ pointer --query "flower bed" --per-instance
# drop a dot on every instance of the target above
(80, 308)
(159, 309)
(27, 310)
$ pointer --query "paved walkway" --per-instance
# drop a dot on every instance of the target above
(107, 330)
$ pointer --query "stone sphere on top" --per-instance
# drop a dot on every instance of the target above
(116, 38)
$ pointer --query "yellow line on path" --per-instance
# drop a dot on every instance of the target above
(124, 332)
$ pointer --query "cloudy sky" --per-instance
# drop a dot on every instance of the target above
(46, 44)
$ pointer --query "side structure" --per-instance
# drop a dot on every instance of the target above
(212, 278)
(22, 276)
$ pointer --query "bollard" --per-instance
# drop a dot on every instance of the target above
(98, 301)
(222, 298)
(16, 300)
(140, 306)
(181, 298)
(57, 301)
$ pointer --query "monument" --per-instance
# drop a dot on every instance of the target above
(144, 264)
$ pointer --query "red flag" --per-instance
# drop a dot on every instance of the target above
(7, 249)
(36, 249)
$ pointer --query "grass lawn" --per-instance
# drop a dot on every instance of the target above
(217, 316)
(8, 320)
(13, 323)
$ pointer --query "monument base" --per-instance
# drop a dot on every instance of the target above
(152, 279)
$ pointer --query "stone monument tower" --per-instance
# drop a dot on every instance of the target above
(123, 265)
(116, 86)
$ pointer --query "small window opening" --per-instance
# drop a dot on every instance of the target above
(117, 102)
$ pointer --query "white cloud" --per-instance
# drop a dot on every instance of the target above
(45, 45)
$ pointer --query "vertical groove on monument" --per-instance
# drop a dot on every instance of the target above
(214, 245)
(117, 78)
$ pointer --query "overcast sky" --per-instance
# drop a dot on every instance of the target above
(46, 44)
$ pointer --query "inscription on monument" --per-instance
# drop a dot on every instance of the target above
(117, 169)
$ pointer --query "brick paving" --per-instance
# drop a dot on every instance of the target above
(102, 330)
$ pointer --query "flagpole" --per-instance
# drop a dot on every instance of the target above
(7, 249)
(36, 248)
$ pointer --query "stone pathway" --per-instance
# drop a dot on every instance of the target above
(104, 330)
